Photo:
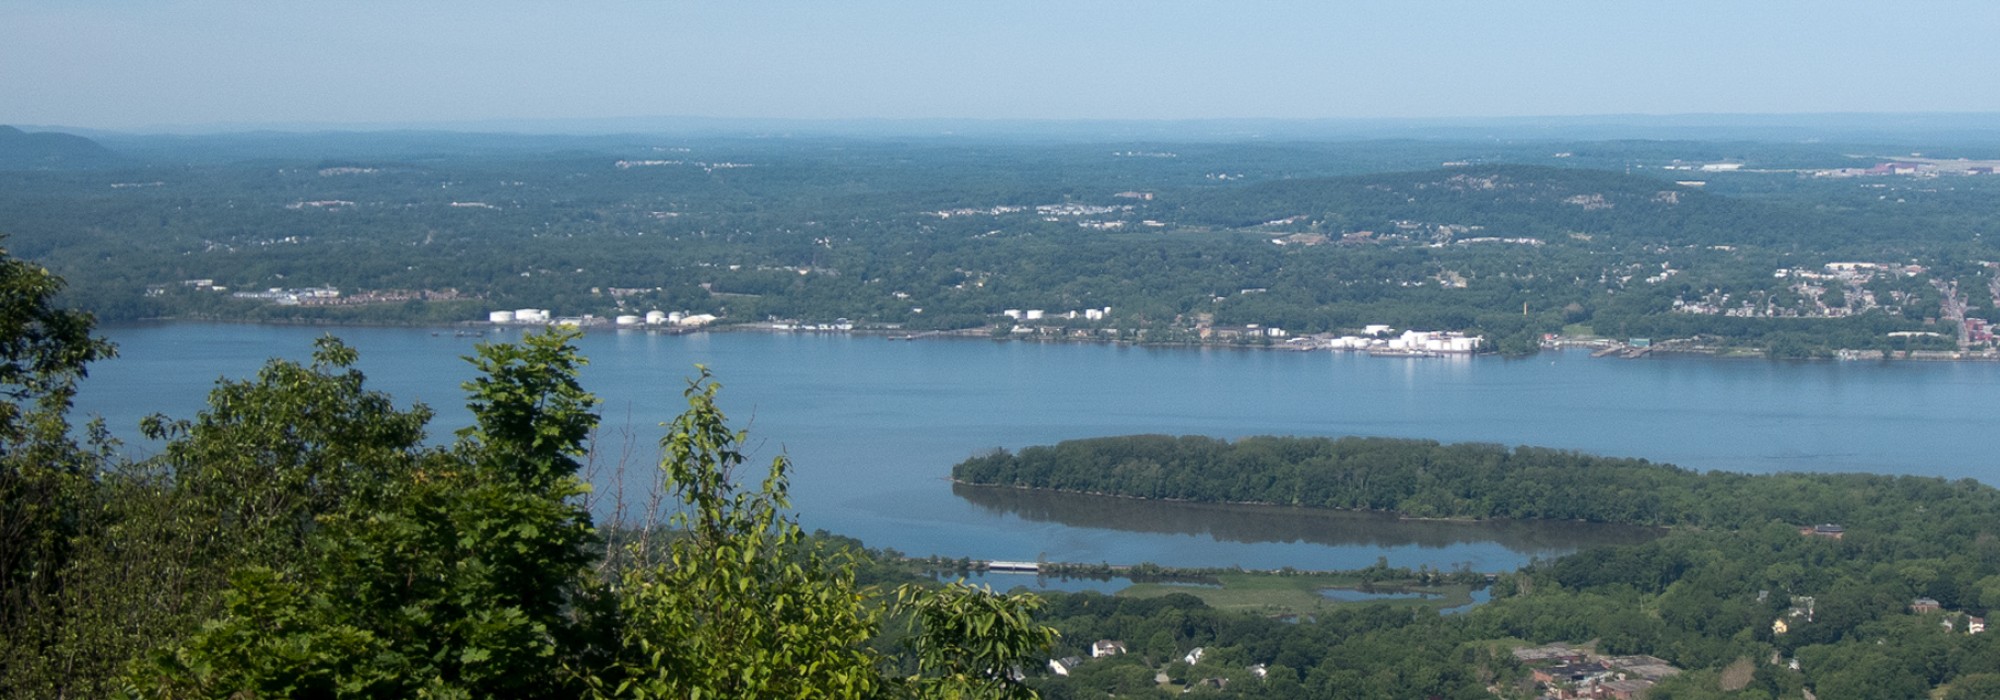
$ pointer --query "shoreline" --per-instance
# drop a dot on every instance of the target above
(1605, 348)
(1399, 517)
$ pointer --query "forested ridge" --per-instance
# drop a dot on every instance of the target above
(44, 150)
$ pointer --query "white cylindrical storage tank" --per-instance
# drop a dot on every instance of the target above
(675, 317)
(500, 317)
(1034, 314)
(654, 318)
(628, 320)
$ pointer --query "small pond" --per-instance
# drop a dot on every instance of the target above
(1349, 595)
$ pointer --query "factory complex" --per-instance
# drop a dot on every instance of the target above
(652, 319)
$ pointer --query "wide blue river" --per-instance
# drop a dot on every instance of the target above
(874, 425)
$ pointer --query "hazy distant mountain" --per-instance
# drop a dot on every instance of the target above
(21, 150)
(1896, 128)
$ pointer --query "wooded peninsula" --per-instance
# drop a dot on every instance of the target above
(1850, 585)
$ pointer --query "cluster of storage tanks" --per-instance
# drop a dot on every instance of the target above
(1411, 341)
(519, 316)
(1039, 314)
(652, 318)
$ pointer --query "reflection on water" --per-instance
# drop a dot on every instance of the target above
(1250, 524)
(1349, 595)
(874, 425)
(1479, 597)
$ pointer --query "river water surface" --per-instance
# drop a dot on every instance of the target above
(874, 425)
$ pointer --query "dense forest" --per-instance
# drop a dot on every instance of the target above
(1509, 240)
(1741, 553)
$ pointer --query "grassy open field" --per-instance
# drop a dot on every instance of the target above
(1300, 594)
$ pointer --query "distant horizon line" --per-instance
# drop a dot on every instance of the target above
(622, 125)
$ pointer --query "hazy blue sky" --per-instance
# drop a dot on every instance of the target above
(136, 63)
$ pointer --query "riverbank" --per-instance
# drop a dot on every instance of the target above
(1390, 514)
(1599, 347)
(1606, 347)
(1284, 591)
(955, 481)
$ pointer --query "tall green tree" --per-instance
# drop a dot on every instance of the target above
(973, 643)
(456, 577)
(49, 484)
(298, 538)
(246, 482)
(743, 605)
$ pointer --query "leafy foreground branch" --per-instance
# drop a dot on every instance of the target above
(299, 539)
(747, 606)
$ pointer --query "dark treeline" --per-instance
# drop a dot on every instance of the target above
(1428, 479)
